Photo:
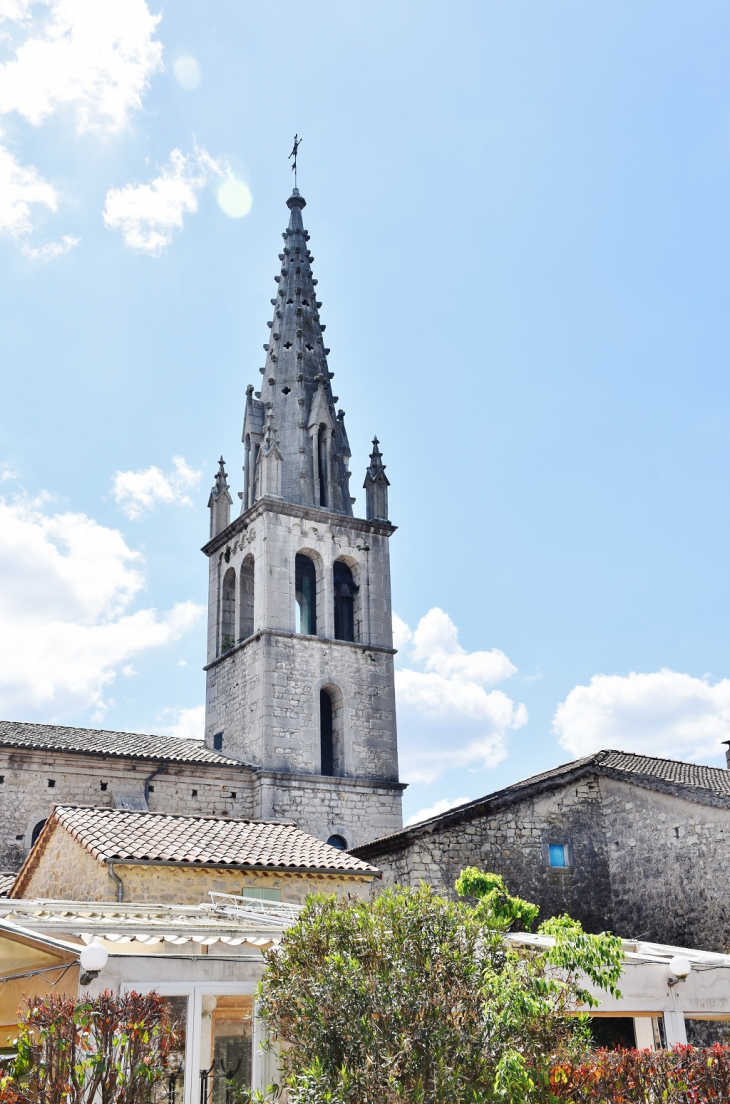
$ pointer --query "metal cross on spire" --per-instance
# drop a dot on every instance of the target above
(294, 152)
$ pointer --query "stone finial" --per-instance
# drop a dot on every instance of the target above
(220, 501)
(376, 486)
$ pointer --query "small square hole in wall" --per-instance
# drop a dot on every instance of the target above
(150, 789)
(233, 796)
(51, 783)
(18, 837)
(104, 785)
(195, 793)
(2, 778)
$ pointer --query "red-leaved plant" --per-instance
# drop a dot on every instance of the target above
(683, 1075)
(105, 1049)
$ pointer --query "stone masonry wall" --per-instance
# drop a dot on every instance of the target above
(66, 871)
(669, 862)
(512, 841)
(355, 810)
(26, 795)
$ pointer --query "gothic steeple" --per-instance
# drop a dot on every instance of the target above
(297, 390)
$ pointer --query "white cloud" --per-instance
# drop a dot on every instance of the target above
(95, 57)
(66, 618)
(149, 214)
(137, 492)
(90, 59)
(434, 810)
(188, 724)
(662, 713)
(21, 189)
(402, 635)
(447, 717)
(50, 250)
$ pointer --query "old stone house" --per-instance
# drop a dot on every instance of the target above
(627, 842)
(91, 854)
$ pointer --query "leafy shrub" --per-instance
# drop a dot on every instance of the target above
(105, 1049)
(683, 1075)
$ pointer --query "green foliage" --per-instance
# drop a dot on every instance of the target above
(410, 997)
(497, 908)
(105, 1050)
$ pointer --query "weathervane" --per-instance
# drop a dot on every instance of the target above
(294, 152)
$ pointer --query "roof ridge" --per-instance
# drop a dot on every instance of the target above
(178, 816)
(662, 759)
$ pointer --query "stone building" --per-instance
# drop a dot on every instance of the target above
(120, 855)
(623, 842)
(300, 703)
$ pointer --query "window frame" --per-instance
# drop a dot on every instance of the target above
(195, 991)
(557, 841)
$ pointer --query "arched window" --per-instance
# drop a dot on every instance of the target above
(322, 464)
(305, 584)
(246, 584)
(339, 842)
(345, 591)
(326, 734)
(37, 831)
(228, 610)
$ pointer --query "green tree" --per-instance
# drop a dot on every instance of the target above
(410, 997)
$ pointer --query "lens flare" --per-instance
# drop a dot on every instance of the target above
(187, 72)
(234, 198)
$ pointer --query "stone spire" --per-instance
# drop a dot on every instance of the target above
(296, 390)
(376, 486)
(220, 501)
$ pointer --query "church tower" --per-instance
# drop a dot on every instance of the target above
(300, 647)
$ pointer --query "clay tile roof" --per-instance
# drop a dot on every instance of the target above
(6, 880)
(91, 741)
(121, 834)
(647, 770)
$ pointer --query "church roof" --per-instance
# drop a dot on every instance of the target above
(123, 835)
(692, 780)
(126, 745)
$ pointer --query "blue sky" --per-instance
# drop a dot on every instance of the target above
(518, 214)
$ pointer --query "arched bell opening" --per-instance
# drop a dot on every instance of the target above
(331, 734)
(247, 599)
(228, 611)
(345, 596)
(305, 588)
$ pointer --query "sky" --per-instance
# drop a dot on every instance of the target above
(519, 218)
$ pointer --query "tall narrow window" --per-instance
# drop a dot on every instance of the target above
(322, 464)
(305, 584)
(326, 733)
(345, 591)
(246, 626)
(228, 610)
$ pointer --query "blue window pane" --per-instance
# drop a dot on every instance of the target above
(557, 854)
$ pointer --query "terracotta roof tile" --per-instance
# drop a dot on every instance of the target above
(6, 880)
(91, 741)
(121, 834)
